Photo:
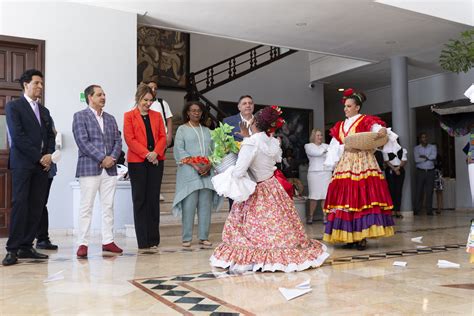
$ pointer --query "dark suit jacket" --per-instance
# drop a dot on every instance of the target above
(29, 140)
(234, 121)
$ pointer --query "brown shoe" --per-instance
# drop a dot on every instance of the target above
(82, 251)
(112, 247)
(186, 244)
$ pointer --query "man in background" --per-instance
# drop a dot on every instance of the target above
(425, 157)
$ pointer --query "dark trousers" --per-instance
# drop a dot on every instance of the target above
(145, 179)
(395, 185)
(29, 188)
(424, 186)
(43, 228)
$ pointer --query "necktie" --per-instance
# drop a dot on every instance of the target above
(37, 112)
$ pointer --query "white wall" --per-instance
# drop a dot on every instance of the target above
(84, 45)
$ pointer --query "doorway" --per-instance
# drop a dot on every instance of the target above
(16, 55)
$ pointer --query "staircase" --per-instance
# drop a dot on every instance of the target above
(201, 82)
(230, 69)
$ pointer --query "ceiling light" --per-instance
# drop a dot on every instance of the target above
(301, 24)
(340, 89)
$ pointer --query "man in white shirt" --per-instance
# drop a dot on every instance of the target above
(160, 105)
(246, 107)
(425, 157)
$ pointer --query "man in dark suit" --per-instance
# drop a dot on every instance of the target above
(32, 143)
(246, 107)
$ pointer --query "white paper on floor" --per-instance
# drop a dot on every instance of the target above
(400, 263)
(299, 290)
(417, 239)
(54, 277)
(445, 264)
(304, 285)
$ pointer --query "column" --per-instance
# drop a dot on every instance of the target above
(401, 118)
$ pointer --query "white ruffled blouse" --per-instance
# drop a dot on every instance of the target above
(336, 149)
(256, 162)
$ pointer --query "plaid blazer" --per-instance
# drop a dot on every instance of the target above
(93, 144)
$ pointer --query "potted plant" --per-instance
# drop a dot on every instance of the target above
(226, 148)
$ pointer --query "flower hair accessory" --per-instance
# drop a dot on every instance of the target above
(279, 122)
(352, 94)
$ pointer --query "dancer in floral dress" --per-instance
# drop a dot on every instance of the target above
(263, 230)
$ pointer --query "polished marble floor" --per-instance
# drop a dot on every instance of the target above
(174, 281)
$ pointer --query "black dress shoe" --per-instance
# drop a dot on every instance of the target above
(46, 244)
(430, 214)
(31, 253)
(10, 259)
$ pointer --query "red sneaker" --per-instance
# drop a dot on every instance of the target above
(82, 251)
(112, 247)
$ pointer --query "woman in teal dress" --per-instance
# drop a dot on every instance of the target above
(194, 188)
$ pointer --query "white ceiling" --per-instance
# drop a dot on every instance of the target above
(361, 29)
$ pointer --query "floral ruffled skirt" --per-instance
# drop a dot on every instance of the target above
(265, 232)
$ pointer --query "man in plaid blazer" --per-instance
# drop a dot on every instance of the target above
(100, 144)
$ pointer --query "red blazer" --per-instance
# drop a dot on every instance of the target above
(135, 135)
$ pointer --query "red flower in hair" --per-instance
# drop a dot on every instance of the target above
(348, 92)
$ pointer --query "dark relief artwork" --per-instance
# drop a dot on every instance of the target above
(162, 56)
(294, 134)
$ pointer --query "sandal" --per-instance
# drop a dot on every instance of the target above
(186, 244)
(205, 243)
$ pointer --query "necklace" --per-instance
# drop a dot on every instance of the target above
(202, 147)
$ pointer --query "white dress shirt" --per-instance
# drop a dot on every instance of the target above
(99, 118)
(395, 161)
(247, 123)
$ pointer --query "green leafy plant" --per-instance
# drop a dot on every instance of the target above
(224, 143)
(458, 56)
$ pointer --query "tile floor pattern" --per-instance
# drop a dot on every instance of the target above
(352, 282)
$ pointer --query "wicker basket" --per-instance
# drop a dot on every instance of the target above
(228, 161)
(364, 141)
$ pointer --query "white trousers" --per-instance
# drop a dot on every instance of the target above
(105, 185)
(471, 180)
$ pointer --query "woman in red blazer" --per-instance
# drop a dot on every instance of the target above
(145, 136)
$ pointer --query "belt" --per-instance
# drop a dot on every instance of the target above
(426, 170)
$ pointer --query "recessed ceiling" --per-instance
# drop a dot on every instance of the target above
(364, 30)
